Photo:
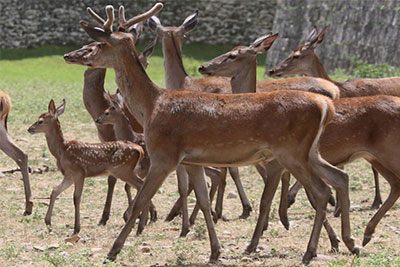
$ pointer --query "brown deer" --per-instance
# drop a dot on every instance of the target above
(344, 124)
(305, 61)
(190, 127)
(95, 103)
(172, 39)
(8, 146)
(78, 160)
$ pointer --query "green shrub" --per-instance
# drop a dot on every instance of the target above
(360, 69)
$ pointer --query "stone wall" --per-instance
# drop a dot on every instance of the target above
(369, 29)
(28, 23)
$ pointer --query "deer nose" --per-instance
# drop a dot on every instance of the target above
(66, 56)
(270, 72)
(97, 120)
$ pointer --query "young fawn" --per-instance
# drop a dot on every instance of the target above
(78, 160)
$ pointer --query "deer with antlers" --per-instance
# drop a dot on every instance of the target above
(95, 103)
(350, 114)
(305, 61)
(78, 160)
(8, 146)
(191, 127)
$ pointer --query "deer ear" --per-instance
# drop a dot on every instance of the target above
(153, 23)
(96, 33)
(264, 43)
(147, 52)
(190, 22)
(60, 109)
(313, 34)
(52, 108)
(317, 40)
(136, 30)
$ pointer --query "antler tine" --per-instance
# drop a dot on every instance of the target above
(96, 16)
(126, 24)
(110, 19)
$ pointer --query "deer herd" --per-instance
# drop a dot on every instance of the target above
(307, 126)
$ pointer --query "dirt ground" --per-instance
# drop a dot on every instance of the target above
(26, 241)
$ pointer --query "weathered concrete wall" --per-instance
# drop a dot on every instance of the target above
(27, 23)
(369, 29)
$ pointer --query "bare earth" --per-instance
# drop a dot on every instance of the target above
(26, 241)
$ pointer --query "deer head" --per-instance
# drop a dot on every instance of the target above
(302, 58)
(174, 34)
(104, 53)
(233, 62)
(47, 119)
(114, 111)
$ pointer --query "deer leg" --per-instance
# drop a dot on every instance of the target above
(67, 182)
(283, 205)
(77, 202)
(340, 182)
(389, 202)
(156, 176)
(274, 170)
(378, 199)
(215, 181)
(127, 189)
(183, 180)
(107, 207)
(234, 172)
(196, 175)
(293, 193)
(14, 152)
(220, 196)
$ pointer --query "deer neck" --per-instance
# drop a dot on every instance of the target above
(123, 129)
(246, 80)
(317, 70)
(175, 73)
(136, 87)
(55, 140)
(93, 90)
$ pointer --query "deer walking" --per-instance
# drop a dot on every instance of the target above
(355, 120)
(305, 61)
(78, 160)
(8, 146)
(190, 127)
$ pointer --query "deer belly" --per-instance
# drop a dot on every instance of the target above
(241, 156)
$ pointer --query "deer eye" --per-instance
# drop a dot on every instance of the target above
(107, 113)
(232, 56)
(40, 122)
(296, 56)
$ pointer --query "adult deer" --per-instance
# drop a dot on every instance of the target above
(8, 146)
(78, 160)
(172, 39)
(304, 60)
(96, 103)
(350, 114)
(191, 127)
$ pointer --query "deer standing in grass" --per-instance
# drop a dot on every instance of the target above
(78, 160)
(305, 61)
(356, 120)
(96, 103)
(8, 146)
(172, 39)
(190, 127)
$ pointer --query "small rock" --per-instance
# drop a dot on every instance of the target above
(53, 246)
(246, 259)
(40, 248)
(231, 195)
(72, 239)
(192, 200)
(262, 248)
(145, 244)
(145, 249)
(226, 232)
